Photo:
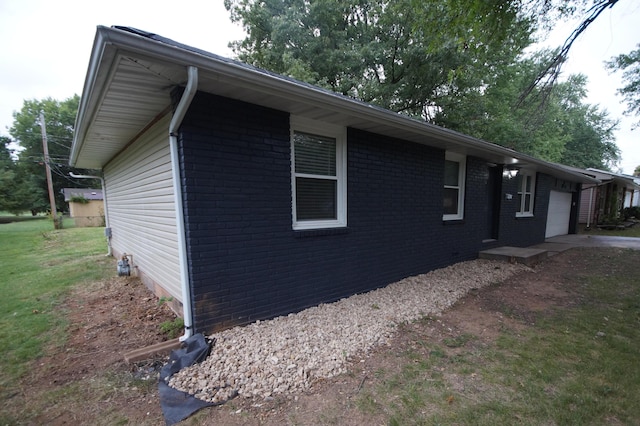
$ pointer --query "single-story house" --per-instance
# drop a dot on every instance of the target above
(603, 202)
(246, 195)
(85, 206)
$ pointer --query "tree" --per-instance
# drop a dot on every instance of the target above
(636, 172)
(393, 54)
(357, 47)
(456, 63)
(16, 192)
(547, 77)
(7, 176)
(60, 119)
(630, 65)
(564, 129)
(496, 114)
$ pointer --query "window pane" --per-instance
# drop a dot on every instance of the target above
(528, 183)
(451, 169)
(527, 203)
(450, 201)
(519, 203)
(315, 155)
(316, 199)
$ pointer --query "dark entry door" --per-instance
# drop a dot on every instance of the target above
(492, 206)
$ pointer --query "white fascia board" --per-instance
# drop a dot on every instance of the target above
(276, 84)
(100, 70)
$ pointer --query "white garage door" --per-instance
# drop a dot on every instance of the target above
(558, 214)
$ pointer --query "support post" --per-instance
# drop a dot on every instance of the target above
(52, 198)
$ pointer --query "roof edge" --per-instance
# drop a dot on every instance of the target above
(110, 40)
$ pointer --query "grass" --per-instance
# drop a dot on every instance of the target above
(39, 265)
(634, 231)
(577, 365)
(6, 217)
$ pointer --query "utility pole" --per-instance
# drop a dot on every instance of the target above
(52, 197)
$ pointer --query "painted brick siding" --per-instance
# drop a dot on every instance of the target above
(245, 261)
(524, 231)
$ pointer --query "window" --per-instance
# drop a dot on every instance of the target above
(526, 190)
(318, 170)
(454, 176)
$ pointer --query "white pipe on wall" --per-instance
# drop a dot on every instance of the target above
(176, 121)
(590, 209)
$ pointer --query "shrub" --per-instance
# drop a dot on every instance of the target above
(78, 199)
(172, 328)
(631, 212)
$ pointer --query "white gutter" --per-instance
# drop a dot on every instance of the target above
(107, 229)
(176, 121)
(274, 85)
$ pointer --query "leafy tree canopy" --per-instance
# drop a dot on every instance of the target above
(629, 64)
(59, 123)
(456, 63)
(16, 191)
(395, 54)
(565, 129)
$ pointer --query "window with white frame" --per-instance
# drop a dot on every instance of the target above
(454, 177)
(318, 175)
(526, 191)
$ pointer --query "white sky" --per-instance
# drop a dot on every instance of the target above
(45, 48)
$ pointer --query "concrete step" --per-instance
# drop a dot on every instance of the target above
(527, 256)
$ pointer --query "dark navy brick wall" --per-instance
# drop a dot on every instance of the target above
(245, 261)
(524, 231)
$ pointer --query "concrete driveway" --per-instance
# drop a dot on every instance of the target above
(565, 242)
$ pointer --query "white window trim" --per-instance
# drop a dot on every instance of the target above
(462, 170)
(520, 212)
(339, 133)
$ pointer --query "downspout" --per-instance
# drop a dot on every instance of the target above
(590, 209)
(176, 121)
(107, 228)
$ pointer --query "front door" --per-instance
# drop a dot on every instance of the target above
(492, 206)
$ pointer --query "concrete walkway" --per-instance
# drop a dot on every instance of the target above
(565, 242)
(554, 245)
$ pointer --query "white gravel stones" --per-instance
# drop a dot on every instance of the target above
(287, 354)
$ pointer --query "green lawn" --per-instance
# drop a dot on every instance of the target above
(39, 265)
(634, 231)
(578, 365)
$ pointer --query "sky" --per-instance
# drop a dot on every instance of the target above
(45, 47)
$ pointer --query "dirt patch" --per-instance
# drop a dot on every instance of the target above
(86, 381)
(475, 320)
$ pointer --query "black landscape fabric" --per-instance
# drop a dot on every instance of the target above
(177, 405)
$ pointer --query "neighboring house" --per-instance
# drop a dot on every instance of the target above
(602, 202)
(243, 195)
(632, 195)
(86, 206)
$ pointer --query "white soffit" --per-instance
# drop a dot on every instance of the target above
(131, 77)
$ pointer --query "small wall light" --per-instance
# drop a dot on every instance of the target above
(510, 172)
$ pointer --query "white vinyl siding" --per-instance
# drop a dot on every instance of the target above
(142, 207)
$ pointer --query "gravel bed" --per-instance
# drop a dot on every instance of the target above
(287, 354)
